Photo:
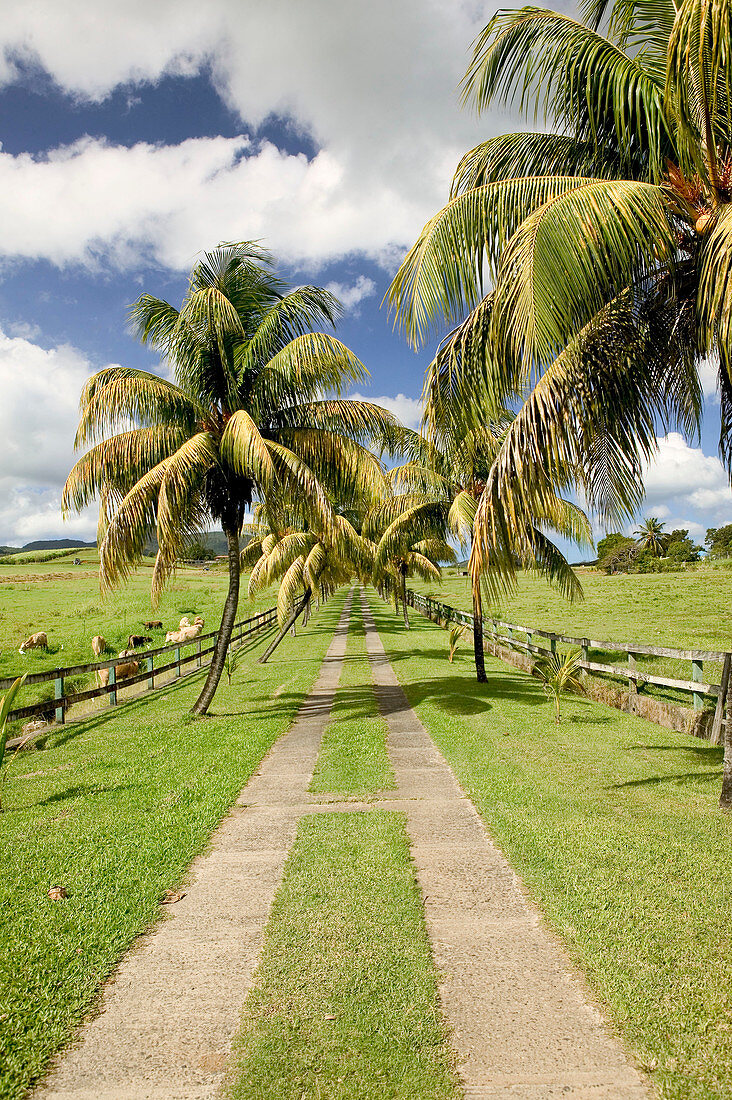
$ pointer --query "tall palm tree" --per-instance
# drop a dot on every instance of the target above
(650, 535)
(254, 408)
(607, 240)
(437, 497)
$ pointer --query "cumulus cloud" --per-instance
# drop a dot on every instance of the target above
(686, 488)
(407, 409)
(351, 296)
(374, 86)
(38, 417)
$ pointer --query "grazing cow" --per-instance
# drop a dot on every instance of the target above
(98, 645)
(135, 640)
(153, 624)
(121, 672)
(36, 641)
(185, 634)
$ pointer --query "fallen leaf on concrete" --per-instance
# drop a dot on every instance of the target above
(171, 897)
(57, 893)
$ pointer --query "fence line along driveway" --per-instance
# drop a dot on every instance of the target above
(62, 701)
(634, 677)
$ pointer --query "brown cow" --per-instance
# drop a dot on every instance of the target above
(153, 624)
(121, 672)
(98, 645)
(36, 641)
(136, 640)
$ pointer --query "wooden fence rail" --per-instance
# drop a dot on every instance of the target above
(148, 670)
(498, 632)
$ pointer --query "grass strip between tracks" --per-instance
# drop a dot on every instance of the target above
(353, 760)
(344, 1004)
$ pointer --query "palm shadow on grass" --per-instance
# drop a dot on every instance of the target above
(679, 777)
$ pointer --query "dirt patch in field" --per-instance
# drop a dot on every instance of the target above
(38, 578)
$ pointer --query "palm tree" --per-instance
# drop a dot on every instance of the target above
(438, 496)
(254, 408)
(607, 241)
(398, 555)
(303, 561)
(650, 535)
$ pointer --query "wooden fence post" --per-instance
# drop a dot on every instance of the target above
(716, 735)
(552, 643)
(697, 675)
(112, 683)
(198, 651)
(585, 649)
(58, 693)
(177, 657)
(150, 673)
(632, 666)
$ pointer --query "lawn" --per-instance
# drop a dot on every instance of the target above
(613, 824)
(353, 760)
(344, 1004)
(114, 809)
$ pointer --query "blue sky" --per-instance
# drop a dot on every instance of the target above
(135, 136)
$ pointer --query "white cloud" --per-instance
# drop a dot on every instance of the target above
(38, 417)
(407, 409)
(351, 296)
(374, 85)
(686, 488)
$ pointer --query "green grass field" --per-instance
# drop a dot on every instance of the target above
(689, 610)
(65, 601)
(614, 826)
(344, 1004)
(114, 809)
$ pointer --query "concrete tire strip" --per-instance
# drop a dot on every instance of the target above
(169, 1014)
(522, 1024)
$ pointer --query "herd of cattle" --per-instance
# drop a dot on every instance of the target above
(187, 632)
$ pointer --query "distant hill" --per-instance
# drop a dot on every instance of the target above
(49, 544)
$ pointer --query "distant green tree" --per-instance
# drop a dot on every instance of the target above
(606, 546)
(620, 556)
(680, 548)
(198, 551)
(719, 541)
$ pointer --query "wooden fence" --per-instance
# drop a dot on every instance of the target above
(499, 633)
(148, 670)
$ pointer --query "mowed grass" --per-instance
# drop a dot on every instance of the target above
(688, 610)
(613, 824)
(344, 1004)
(65, 601)
(353, 760)
(114, 809)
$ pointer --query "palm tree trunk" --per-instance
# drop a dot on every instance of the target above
(228, 618)
(478, 650)
(404, 600)
(297, 611)
(725, 799)
(396, 599)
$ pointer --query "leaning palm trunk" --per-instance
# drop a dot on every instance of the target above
(223, 637)
(404, 599)
(296, 613)
(478, 636)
